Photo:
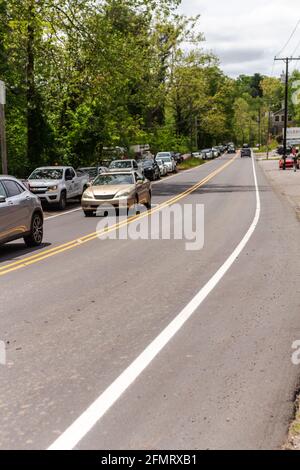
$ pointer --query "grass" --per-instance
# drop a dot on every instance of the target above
(191, 162)
(264, 148)
(294, 433)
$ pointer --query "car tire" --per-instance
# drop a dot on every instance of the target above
(89, 213)
(62, 201)
(35, 236)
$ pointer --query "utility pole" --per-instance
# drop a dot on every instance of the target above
(287, 60)
(2, 129)
(269, 132)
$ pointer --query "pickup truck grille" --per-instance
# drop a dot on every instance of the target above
(39, 190)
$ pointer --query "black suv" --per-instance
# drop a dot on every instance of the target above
(246, 152)
(151, 170)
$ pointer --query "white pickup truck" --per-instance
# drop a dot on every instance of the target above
(56, 184)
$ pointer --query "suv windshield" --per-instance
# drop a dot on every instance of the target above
(113, 179)
(121, 164)
(163, 155)
(147, 163)
(46, 174)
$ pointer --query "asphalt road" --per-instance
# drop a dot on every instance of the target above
(76, 317)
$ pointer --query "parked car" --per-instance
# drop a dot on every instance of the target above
(289, 162)
(122, 189)
(56, 184)
(206, 154)
(168, 160)
(117, 165)
(216, 152)
(21, 214)
(163, 170)
(231, 150)
(288, 150)
(151, 170)
(178, 158)
(92, 171)
(219, 149)
(246, 152)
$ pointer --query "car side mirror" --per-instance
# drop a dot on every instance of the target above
(2, 199)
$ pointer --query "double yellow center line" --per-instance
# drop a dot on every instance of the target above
(22, 263)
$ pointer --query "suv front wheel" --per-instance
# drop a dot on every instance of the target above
(35, 237)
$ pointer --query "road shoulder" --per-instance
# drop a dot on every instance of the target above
(287, 185)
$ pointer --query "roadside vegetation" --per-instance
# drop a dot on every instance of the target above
(88, 75)
(190, 162)
(294, 433)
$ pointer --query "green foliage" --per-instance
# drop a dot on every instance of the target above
(83, 75)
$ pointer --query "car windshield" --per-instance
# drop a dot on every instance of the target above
(113, 179)
(163, 155)
(92, 172)
(147, 163)
(46, 174)
(120, 164)
(165, 159)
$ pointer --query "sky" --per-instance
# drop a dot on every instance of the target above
(247, 34)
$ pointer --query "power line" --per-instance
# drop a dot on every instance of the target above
(288, 41)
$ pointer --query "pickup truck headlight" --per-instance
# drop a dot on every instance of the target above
(52, 188)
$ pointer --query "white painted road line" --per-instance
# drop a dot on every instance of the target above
(63, 213)
(80, 428)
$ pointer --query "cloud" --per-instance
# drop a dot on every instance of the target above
(247, 35)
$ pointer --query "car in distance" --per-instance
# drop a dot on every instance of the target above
(129, 165)
(163, 170)
(280, 150)
(216, 152)
(178, 158)
(151, 170)
(231, 150)
(207, 154)
(245, 152)
(168, 160)
(54, 185)
(92, 171)
(289, 162)
(122, 189)
(21, 214)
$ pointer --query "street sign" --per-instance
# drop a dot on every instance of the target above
(293, 142)
(293, 134)
(2, 92)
